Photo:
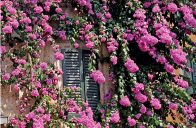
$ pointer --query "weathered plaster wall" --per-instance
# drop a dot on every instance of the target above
(9, 97)
(8, 104)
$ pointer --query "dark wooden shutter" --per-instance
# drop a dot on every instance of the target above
(71, 66)
(193, 66)
(76, 73)
(91, 87)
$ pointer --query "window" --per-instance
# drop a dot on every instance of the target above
(75, 67)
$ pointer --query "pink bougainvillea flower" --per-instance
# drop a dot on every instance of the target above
(137, 116)
(143, 109)
(15, 72)
(40, 110)
(169, 68)
(14, 23)
(6, 76)
(98, 76)
(150, 76)
(30, 116)
(43, 65)
(115, 117)
(114, 60)
(38, 9)
(182, 83)
(58, 10)
(131, 121)
(62, 35)
(38, 84)
(16, 87)
(46, 117)
(111, 48)
(161, 59)
(90, 44)
(108, 15)
(131, 66)
(178, 56)
(42, 44)
(155, 103)
(103, 39)
(88, 27)
(138, 87)
(7, 29)
(124, 101)
(156, 9)
(2, 49)
(59, 56)
(151, 40)
(22, 61)
(170, 126)
(172, 7)
(11, 10)
(35, 93)
(173, 106)
(141, 97)
(76, 45)
(166, 38)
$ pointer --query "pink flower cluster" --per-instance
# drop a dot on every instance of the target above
(128, 36)
(189, 110)
(7, 29)
(138, 87)
(173, 106)
(131, 66)
(2, 49)
(124, 101)
(62, 35)
(37, 117)
(35, 93)
(169, 68)
(98, 76)
(114, 60)
(115, 117)
(104, 15)
(141, 97)
(6, 76)
(131, 121)
(87, 4)
(146, 42)
(182, 83)
(188, 16)
(155, 103)
(59, 56)
(163, 32)
(143, 109)
(156, 8)
(172, 7)
(86, 119)
(43, 65)
(72, 106)
(112, 45)
(178, 56)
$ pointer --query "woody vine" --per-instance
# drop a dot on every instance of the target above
(146, 41)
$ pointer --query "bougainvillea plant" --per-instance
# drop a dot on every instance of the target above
(147, 40)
